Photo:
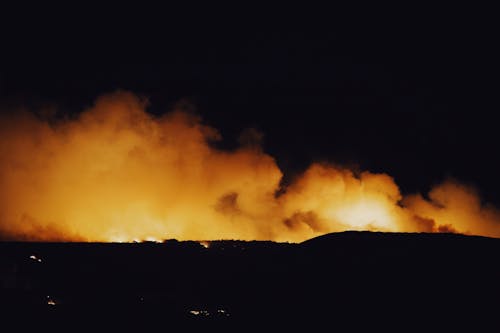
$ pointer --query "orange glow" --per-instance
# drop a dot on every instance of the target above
(118, 174)
(365, 214)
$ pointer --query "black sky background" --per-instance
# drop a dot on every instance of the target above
(410, 93)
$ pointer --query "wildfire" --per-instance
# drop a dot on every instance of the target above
(205, 244)
(118, 174)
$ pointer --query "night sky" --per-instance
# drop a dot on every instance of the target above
(411, 95)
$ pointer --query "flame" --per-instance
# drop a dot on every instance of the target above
(116, 173)
(205, 244)
(365, 214)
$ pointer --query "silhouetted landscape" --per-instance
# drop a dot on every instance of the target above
(349, 278)
(198, 124)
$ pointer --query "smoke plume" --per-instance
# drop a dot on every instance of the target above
(118, 173)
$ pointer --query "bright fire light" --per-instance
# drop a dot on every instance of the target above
(365, 214)
(116, 173)
(205, 244)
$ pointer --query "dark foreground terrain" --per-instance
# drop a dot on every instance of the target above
(350, 280)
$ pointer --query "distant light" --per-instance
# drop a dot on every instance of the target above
(124, 239)
(118, 239)
(153, 239)
(205, 244)
(33, 257)
(222, 312)
(50, 301)
(204, 313)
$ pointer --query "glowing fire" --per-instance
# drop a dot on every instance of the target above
(117, 173)
(365, 214)
(205, 244)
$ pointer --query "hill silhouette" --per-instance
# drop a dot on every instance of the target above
(353, 279)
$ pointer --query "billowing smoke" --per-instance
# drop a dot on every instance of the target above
(117, 173)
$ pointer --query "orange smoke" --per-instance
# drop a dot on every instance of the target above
(117, 173)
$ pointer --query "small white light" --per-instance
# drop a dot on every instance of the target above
(200, 313)
(33, 257)
(223, 312)
(153, 239)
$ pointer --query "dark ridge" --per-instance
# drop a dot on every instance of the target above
(370, 235)
(356, 279)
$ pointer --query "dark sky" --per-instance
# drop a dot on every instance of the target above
(411, 94)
